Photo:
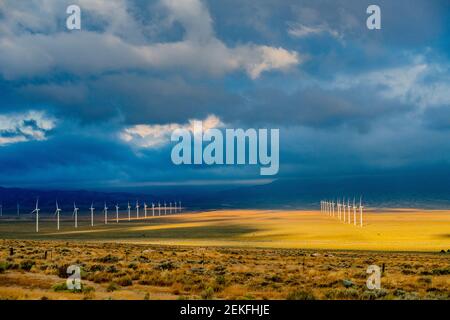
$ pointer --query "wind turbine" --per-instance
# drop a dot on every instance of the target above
(333, 207)
(354, 212)
(137, 209)
(344, 214)
(338, 208)
(179, 205)
(165, 208)
(117, 213)
(153, 209)
(92, 214)
(170, 207)
(159, 208)
(57, 212)
(105, 210)
(36, 210)
(361, 211)
(349, 207)
(129, 211)
(75, 213)
(145, 209)
(174, 207)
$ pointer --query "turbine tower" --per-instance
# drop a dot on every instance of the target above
(165, 208)
(75, 213)
(174, 207)
(137, 209)
(333, 207)
(159, 209)
(153, 209)
(338, 208)
(354, 212)
(344, 214)
(117, 213)
(145, 210)
(36, 210)
(170, 207)
(92, 214)
(349, 213)
(57, 213)
(179, 206)
(105, 210)
(361, 211)
(129, 211)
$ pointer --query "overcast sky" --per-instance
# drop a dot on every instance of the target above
(95, 108)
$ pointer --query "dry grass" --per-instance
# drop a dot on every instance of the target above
(130, 271)
(231, 255)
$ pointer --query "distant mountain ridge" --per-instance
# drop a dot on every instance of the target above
(394, 192)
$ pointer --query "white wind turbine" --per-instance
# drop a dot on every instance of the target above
(349, 213)
(137, 209)
(145, 209)
(333, 207)
(92, 214)
(105, 211)
(75, 213)
(153, 209)
(36, 210)
(179, 205)
(165, 208)
(354, 212)
(57, 213)
(338, 208)
(117, 213)
(174, 207)
(361, 211)
(344, 214)
(170, 207)
(159, 208)
(129, 211)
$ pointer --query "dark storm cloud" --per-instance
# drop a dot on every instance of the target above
(347, 100)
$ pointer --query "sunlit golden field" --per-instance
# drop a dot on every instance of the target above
(394, 230)
(231, 255)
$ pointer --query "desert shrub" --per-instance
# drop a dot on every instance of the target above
(60, 287)
(61, 271)
(441, 271)
(208, 293)
(27, 265)
(133, 266)
(108, 259)
(300, 294)
(112, 269)
(426, 280)
(96, 267)
(4, 266)
(99, 277)
(112, 287)
(124, 281)
(166, 265)
(220, 280)
(373, 294)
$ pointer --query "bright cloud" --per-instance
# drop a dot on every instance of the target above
(36, 48)
(24, 127)
(154, 136)
(299, 30)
